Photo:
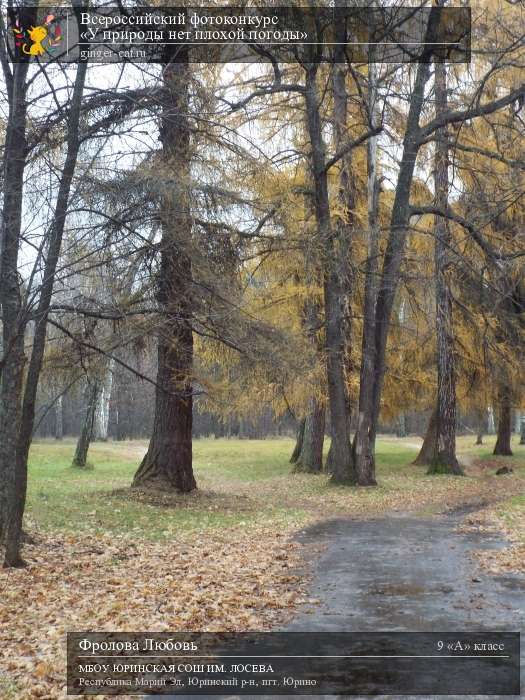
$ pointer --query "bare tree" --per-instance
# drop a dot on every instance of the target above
(42, 312)
(13, 360)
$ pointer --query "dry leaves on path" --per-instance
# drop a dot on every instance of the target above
(502, 520)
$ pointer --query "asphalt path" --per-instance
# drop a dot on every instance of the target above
(404, 573)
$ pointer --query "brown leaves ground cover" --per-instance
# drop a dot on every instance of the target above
(408, 490)
(242, 580)
(507, 518)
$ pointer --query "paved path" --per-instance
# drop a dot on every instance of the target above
(406, 573)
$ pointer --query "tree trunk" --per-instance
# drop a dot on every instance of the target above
(491, 424)
(10, 411)
(444, 459)
(13, 320)
(102, 411)
(39, 339)
(311, 457)
(374, 358)
(344, 223)
(343, 471)
(168, 461)
(522, 431)
(298, 443)
(517, 421)
(123, 401)
(363, 447)
(481, 425)
(328, 463)
(426, 453)
(86, 434)
(59, 418)
(502, 446)
(401, 426)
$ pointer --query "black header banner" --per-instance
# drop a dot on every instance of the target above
(284, 34)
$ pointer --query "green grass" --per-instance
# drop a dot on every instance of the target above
(68, 499)
(240, 482)
(243, 460)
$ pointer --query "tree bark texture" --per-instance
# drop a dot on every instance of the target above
(444, 458)
(401, 426)
(363, 447)
(168, 461)
(426, 452)
(59, 418)
(298, 442)
(92, 393)
(310, 458)
(343, 471)
(375, 357)
(13, 322)
(490, 421)
(502, 446)
(102, 412)
(344, 219)
(39, 339)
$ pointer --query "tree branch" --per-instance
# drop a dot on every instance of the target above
(471, 113)
(351, 145)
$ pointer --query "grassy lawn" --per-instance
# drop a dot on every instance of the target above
(98, 499)
(241, 483)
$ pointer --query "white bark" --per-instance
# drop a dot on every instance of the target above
(491, 425)
(59, 424)
(102, 410)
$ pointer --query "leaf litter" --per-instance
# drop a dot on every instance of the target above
(244, 577)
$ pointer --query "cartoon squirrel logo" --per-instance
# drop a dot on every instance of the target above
(37, 36)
